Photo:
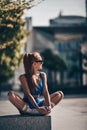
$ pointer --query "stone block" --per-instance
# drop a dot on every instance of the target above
(18, 122)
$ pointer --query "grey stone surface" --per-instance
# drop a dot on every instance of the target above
(18, 122)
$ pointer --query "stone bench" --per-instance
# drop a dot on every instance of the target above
(25, 122)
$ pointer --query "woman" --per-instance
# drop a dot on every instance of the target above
(34, 84)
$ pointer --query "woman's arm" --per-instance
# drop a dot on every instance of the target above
(45, 91)
(27, 91)
(30, 97)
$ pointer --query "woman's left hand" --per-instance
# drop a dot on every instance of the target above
(45, 109)
(48, 108)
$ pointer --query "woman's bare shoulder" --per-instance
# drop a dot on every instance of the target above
(43, 74)
(22, 76)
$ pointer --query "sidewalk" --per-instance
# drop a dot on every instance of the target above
(70, 114)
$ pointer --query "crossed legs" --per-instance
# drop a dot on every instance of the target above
(55, 98)
(17, 101)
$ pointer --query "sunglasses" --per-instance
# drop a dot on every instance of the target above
(41, 61)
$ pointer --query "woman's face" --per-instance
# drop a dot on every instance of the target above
(38, 63)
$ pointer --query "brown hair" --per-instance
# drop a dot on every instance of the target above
(28, 60)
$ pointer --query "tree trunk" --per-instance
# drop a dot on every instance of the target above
(81, 69)
(61, 78)
(55, 78)
(49, 77)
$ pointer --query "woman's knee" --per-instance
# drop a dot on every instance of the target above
(61, 93)
(11, 95)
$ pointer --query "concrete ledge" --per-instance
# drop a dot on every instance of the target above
(18, 122)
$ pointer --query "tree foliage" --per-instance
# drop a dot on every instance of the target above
(53, 62)
(12, 33)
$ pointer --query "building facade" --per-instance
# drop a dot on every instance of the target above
(68, 36)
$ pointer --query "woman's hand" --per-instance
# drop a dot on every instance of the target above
(48, 108)
(43, 110)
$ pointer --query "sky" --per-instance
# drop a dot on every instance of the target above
(50, 9)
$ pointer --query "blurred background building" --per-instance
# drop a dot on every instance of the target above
(66, 36)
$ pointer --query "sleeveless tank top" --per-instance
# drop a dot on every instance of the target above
(38, 90)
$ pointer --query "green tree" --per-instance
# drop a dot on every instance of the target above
(53, 63)
(12, 33)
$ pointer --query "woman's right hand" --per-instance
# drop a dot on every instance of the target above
(43, 110)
